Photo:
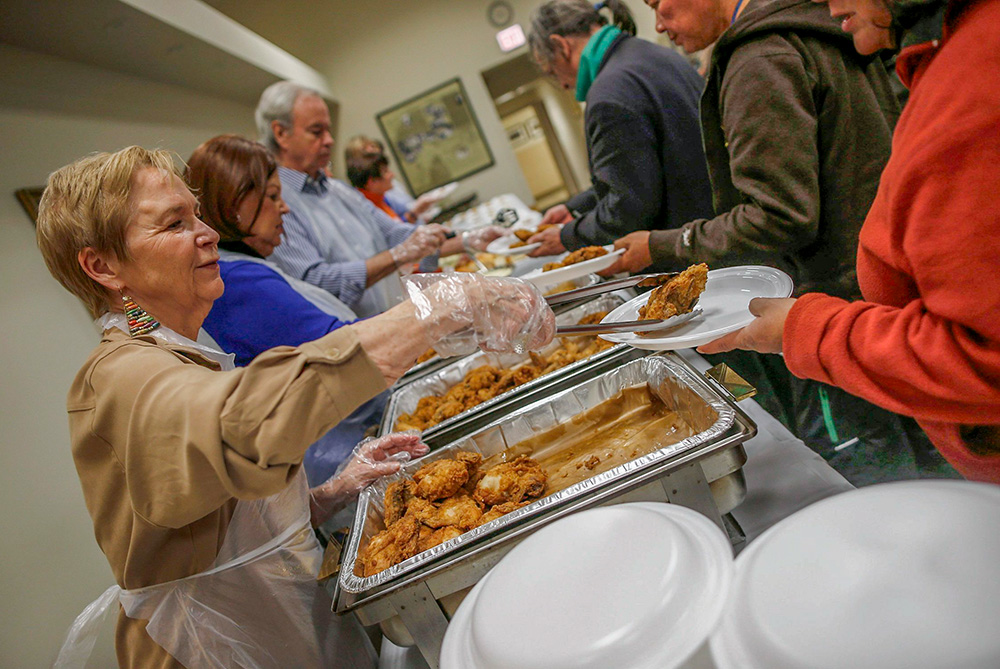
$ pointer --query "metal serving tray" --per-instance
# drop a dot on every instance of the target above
(702, 471)
(424, 368)
(405, 397)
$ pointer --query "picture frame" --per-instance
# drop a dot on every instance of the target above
(29, 199)
(435, 137)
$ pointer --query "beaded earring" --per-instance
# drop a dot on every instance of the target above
(139, 322)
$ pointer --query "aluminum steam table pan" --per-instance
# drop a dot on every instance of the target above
(404, 399)
(705, 430)
(424, 368)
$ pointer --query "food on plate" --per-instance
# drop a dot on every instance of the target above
(676, 296)
(580, 255)
(486, 382)
(417, 518)
(490, 260)
(524, 234)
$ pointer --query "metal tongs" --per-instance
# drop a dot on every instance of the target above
(637, 281)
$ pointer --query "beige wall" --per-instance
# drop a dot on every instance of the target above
(378, 53)
(52, 112)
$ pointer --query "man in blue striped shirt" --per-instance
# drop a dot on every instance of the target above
(333, 237)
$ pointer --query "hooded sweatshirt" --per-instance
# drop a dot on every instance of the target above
(926, 342)
(797, 128)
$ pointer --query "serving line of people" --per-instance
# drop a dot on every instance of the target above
(796, 128)
(641, 126)
(192, 467)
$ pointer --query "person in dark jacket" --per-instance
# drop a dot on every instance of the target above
(643, 136)
(797, 128)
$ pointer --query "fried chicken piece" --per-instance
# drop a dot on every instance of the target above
(678, 295)
(524, 234)
(397, 498)
(481, 377)
(459, 511)
(586, 253)
(392, 545)
(470, 459)
(441, 478)
(500, 510)
(430, 538)
(421, 417)
(513, 378)
(593, 319)
(447, 409)
(510, 482)
(580, 255)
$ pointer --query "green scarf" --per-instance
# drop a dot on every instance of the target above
(591, 57)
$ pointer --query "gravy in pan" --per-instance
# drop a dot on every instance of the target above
(632, 424)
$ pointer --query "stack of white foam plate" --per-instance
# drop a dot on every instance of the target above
(631, 585)
(894, 576)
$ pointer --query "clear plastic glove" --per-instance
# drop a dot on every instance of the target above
(371, 460)
(460, 312)
(424, 241)
(480, 238)
(423, 203)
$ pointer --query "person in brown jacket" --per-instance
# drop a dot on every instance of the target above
(797, 128)
(191, 470)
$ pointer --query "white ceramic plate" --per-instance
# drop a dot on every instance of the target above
(574, 271)
(501, 246)
(724, 306)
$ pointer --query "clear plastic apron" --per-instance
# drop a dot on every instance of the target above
(259, 605)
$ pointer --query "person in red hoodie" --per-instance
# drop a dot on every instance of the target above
(926, 340)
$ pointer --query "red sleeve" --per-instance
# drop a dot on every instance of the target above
(938, 357)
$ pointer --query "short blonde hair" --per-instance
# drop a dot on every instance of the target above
(88, 203)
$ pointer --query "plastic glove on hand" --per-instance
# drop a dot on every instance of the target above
(424, 241)
(462, 311)
(480, 238)
(370, 460)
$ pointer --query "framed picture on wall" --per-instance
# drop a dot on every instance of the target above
(435, 137)
(29, 199)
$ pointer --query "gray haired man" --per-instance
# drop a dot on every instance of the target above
(334, 238)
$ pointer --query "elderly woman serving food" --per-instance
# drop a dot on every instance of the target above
(191, 470)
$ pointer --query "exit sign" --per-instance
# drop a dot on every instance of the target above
(510, 38)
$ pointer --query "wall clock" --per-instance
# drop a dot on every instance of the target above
(500, 13)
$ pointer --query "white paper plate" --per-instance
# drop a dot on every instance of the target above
(501, 246)
(570, 272)
(442, 192)
(724, 306)
(665, 568)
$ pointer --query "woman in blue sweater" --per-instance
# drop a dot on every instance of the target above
(237, 185)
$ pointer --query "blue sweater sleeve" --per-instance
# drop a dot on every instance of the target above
(259, 310)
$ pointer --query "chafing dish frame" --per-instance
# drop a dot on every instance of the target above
(699, 478)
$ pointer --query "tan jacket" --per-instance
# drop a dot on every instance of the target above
(165, 444)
